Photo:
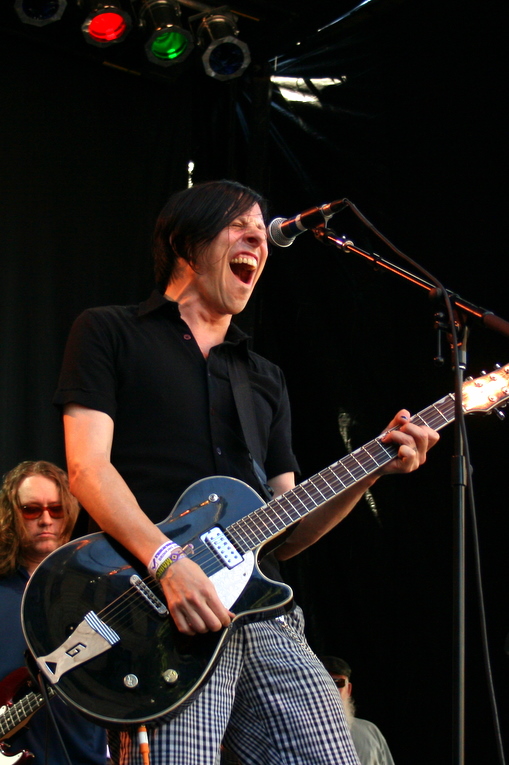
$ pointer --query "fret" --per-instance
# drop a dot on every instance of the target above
(302, 487)
(328, 490)
(243, 532)
(285, 502)
(19, 711)
(265, 520)
(279, 513)
(350, 472)
(285, 509)
(300, 501)
(368, 459)
(239, 540)
(313, 498)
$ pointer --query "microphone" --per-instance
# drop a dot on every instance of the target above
(282, 231)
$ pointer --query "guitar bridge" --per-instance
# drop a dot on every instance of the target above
(149, 596)
(217, 541)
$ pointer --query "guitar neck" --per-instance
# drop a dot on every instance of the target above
(268, 521)
(16, 714)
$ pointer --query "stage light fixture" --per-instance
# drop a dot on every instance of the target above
(40, 12)
(106, 23)
(168, 43)
(225, 56)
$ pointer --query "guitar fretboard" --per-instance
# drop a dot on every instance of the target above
(18, 712)
(269, 520)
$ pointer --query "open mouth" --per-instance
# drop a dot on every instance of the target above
(244, 266)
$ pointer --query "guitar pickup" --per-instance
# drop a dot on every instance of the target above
(217, 541)
(90, 638)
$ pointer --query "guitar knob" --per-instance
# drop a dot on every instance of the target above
(170, 676)
(500, 414)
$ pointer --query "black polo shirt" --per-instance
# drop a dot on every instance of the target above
(174, 412)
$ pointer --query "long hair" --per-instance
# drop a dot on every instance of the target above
(12, 527)
(192, 218)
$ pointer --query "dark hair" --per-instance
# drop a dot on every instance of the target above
(336, 666)
(12, 527)
(192, 218)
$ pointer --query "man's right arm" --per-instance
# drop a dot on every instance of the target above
(191, 596)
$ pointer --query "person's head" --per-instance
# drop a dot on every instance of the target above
(341, 672)
(193, 221)
(37, 514)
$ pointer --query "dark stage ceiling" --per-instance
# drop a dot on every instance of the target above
(270, 29)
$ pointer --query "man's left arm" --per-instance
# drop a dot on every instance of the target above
(414, 441)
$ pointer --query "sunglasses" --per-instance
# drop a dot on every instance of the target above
(340, 681)
(34, 511)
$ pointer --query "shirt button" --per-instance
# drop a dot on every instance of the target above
(218, 450)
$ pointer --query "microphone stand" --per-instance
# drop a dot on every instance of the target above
(484, 316)
(460, 467)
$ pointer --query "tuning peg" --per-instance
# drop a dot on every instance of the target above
(483, 371)
(500, 414)
(498, 366)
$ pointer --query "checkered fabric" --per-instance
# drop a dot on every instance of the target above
(269, 697)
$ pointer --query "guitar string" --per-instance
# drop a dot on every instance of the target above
(246, 527)
(12, 713)
(124, 607)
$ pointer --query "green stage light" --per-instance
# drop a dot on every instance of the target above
(168, 43)
(40, 12)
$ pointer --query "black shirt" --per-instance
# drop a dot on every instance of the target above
(174, 412)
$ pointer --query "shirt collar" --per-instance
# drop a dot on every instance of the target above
(22, 572)
(157, 301)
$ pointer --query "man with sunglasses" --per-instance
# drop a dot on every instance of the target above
(369, 741)
(37, 515)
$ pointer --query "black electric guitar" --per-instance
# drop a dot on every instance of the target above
(18, 702)
(99, 627)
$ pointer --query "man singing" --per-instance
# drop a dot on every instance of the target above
(149, 409)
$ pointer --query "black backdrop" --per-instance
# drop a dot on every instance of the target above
(416, 140)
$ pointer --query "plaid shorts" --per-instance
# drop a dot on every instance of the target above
(269, 698)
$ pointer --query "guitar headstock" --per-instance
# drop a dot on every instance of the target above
(486, 392)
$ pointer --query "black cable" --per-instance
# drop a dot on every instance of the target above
(44, 691)
(470, 493)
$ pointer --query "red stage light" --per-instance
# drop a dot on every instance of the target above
(107, 27)
(107, 23)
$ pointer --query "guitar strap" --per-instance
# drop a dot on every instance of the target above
(243, 395)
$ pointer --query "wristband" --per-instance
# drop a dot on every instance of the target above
(160, 555)
(176, 554)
